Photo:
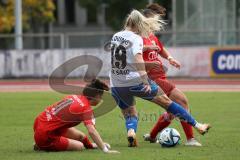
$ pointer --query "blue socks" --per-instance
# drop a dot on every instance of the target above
(181, 113)
(131, 123)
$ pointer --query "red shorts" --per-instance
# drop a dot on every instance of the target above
(165, 85)
(48, 140)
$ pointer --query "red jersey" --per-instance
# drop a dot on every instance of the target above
(152, 55)
(69, 112)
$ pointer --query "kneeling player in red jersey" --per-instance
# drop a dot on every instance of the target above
(153, 48)
(54, 128)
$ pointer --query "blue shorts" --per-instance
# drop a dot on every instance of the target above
(124, 96)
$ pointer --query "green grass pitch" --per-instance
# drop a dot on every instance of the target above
(18, 110)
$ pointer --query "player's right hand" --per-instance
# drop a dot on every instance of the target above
(112, 152)
(107, 145)
(151, 47)
(175, 63)
(156, 48)
(147, 88)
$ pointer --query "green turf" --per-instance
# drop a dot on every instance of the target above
(17, 112)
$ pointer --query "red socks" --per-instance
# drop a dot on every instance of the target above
(87, 143)
(164, 121)
(187, 130)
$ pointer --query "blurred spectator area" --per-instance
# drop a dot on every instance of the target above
(190, 23)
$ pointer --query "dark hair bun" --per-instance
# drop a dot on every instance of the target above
(96, 83)
(96, 87)
(158, 9)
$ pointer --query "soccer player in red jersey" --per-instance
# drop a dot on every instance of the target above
(156, 72)
(54, 127)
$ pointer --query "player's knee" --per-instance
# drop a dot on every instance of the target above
(75, 134)
(184, 102)
(80, 147)
(133, 112)
(162, 100)
(82, 136)
(130, 111)
(168, 116)
(75, 146)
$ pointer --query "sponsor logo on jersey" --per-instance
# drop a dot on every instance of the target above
(152, 55)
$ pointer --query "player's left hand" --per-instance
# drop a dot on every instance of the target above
(175, 63)
(105, 143)
(94, 145)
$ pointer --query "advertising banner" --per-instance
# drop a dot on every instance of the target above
(225, 62)
(195, 62)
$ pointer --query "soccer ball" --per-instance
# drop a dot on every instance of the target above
(169, 137)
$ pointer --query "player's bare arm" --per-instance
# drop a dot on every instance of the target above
(140, 65)
(98, 140)
(165, 54)
(151, 47)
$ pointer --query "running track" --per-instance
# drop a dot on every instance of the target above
(196, 85)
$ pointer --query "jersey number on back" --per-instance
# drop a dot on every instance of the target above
(119, 58)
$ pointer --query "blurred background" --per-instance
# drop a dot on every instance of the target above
(38, 36)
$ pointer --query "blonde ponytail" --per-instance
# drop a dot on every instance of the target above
(142, 25)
